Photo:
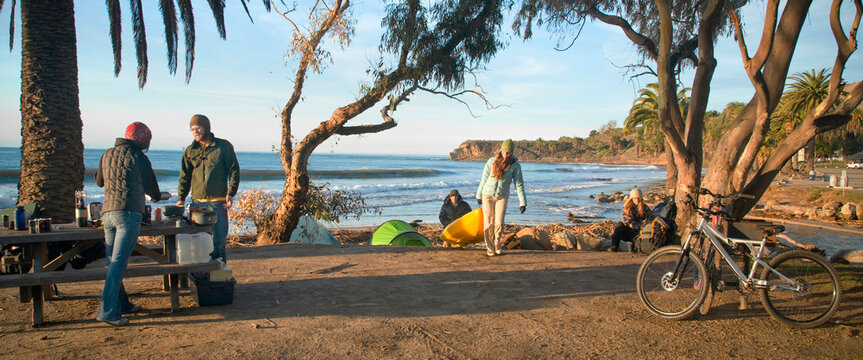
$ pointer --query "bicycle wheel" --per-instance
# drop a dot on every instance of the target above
(817, 292)
(665, 295)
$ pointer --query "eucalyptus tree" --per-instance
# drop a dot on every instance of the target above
(52, 149)
(427, 46)
(671, 34)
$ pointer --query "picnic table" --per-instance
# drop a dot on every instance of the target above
(42, 274)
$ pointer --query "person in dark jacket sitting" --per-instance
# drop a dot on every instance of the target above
(634, 212)
(453, 208)
(127, 175)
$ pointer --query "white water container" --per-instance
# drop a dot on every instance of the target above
(194, 248)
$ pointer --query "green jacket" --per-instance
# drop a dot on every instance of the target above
(211, 172)
(499, 188)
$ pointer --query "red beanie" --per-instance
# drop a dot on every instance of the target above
(139, 134)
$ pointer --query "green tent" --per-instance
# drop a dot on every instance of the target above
(397, 232)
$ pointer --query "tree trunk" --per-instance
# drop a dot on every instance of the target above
(810, 156)
(52, 151)
(670, 169)
(279, 227)
(733, 141)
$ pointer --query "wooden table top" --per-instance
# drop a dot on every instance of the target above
(70, 232)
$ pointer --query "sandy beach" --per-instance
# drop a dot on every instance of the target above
(371, 302)
(357, 301)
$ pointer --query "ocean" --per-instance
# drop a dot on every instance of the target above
(406, 187)
(413, 187)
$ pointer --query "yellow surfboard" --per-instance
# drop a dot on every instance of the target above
(465, 230)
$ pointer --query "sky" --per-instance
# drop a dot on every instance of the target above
(243, 82)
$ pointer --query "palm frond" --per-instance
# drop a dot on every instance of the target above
(189, 30)
(114, 29)
(11, 23)
(140, 40)
(218, 7)
(246, 7)
(169, 18)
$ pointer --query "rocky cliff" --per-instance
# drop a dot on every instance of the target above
(574, 150)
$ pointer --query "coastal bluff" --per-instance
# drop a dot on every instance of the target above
(551, 151)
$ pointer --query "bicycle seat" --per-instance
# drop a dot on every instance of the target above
(771, 229)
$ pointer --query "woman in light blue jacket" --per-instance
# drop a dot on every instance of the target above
(493, 193)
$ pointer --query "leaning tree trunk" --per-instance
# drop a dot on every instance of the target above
(52, 151)
(279, 227)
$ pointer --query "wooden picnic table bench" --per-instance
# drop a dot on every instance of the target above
(32, 285)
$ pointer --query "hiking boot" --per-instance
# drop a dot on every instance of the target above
(612, 249)
(121, 322)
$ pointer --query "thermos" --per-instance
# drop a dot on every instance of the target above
(20, 218)
(81, 214)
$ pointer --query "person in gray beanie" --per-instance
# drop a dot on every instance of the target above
(210, 171)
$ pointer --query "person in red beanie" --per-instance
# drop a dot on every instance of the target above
(210, 172)
(127, 175)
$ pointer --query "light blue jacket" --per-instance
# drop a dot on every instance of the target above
(499, 188)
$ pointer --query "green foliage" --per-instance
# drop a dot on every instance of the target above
(334, 205)
(252, 207)
(442, 41)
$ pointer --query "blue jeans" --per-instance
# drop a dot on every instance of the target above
(220, 229)
(121, 235)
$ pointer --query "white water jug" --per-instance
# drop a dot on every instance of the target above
(194, 248)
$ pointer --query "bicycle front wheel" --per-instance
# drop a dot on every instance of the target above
(670, 295)
(812, 295)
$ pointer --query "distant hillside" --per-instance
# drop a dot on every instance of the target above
(597, 148)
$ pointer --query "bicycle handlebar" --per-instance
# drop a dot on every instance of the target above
(717, 200)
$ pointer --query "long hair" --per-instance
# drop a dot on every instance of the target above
(639, 212)
(501, 165)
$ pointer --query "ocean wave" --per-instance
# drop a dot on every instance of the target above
(12, 176)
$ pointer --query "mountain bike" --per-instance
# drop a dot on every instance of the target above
(797, 287)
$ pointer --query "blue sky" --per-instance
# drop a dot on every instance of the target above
(242, 83)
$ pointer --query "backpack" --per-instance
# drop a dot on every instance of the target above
(657, 230)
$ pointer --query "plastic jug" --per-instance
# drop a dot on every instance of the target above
(194, 248)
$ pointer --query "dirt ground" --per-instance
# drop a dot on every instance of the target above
(359, 301)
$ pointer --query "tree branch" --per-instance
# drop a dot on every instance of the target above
(624, 25)
(388, 121)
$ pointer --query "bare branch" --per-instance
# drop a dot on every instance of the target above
(455, 96)
(767, 35)
(388, 121)
(624, 25)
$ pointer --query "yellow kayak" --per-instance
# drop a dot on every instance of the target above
(465, 231)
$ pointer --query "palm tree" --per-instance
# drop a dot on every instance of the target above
(806, 91)
(644, 119)
(52, 150)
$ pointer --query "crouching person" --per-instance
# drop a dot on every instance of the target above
(127, 175)
(634, 212)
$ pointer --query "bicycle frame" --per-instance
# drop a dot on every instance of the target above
(756, 251)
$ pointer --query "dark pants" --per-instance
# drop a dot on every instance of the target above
(622, 232)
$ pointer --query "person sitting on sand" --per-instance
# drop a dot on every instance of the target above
(453, 208)
(634, 212)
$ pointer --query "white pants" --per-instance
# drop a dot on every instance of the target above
(493, 210)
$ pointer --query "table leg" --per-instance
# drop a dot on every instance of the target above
(173, 279)
(38, 251)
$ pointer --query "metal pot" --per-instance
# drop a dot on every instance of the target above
(173, 211)
(204, 217)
